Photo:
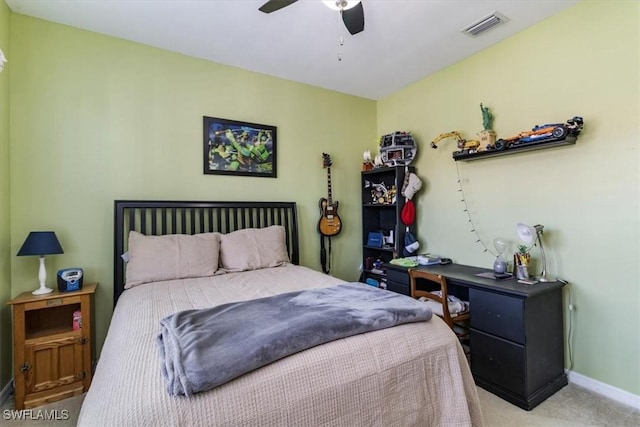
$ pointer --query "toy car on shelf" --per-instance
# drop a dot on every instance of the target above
(542, 133)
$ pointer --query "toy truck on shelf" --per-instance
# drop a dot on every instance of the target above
(465, 146)
(541, 133)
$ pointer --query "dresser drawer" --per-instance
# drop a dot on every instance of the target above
(399, 276)
(400, 288)
(498, 361)
(497, 314)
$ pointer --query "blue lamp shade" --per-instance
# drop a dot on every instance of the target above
(41, 243)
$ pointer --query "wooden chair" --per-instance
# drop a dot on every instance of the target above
(459, 323)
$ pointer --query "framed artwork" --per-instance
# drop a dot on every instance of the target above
(239, 148)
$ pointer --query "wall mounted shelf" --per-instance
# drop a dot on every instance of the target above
(517, 149)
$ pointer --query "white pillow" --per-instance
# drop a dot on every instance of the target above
(253, 248)
(172, 256)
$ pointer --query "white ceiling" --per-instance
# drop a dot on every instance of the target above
(403, 40)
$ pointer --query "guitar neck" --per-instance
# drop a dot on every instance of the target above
(329, 186)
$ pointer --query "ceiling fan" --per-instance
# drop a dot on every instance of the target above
(351, 11)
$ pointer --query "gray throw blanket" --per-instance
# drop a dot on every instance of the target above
(202, 349)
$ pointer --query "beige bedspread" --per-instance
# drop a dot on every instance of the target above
(409, 375)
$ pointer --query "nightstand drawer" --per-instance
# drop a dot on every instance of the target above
(498, 361)
(53, 302)
(497, 314)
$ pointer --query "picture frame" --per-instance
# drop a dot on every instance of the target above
(232, 147)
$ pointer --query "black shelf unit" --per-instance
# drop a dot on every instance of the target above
(382, 215)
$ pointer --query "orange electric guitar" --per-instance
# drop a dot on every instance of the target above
(330, 224)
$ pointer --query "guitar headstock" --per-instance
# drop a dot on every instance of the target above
(326, 160)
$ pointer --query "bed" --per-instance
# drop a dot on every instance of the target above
(411, 374)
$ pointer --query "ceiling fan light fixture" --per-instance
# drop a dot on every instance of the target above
(340, 4)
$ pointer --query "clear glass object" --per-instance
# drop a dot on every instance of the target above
(500, 264)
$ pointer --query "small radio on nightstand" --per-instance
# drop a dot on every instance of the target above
(70, 279)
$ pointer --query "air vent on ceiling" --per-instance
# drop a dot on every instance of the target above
(484, 24)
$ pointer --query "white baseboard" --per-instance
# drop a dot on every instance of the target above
(606, 390)
(6, 392)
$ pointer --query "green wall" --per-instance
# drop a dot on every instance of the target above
(584, 62)
(94, 118)
(5, 231)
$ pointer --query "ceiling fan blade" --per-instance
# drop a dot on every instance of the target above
(354, 18)
(273, 5)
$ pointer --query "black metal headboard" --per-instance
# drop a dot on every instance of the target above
(180, 217)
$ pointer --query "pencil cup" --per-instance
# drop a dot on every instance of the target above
(522, 272)
(521, 264)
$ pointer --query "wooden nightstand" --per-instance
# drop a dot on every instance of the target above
(51, 360)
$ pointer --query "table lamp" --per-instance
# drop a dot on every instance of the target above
(529, 234)
(41, 243)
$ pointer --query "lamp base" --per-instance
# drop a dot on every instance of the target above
(42, 278)
(546, 279)
(42, 291)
